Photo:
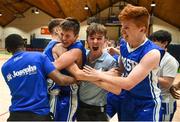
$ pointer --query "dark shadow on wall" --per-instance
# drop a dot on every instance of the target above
(174, 49)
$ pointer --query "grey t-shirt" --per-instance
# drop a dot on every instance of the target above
(90, 93)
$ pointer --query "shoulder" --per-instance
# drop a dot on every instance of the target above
(52, 42)
(153, 53)
(50, 45)
(149, 46)
(151, 58)
(77, 44)
(108, 59)
(58, 46)
(77, 47)
(108, 56)
(168, 59)
(34, 55)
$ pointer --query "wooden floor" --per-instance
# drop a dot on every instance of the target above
(5, 98)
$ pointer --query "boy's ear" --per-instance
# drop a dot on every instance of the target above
(143, 29)
(77, 36)
(165, 43)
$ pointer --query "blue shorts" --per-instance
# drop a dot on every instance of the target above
(138, 109)
(64, 105)
(113, 104)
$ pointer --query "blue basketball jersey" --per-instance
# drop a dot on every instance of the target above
(145, 100)
(80, 46)
(25, 74)
(148, 88)
(48, 52)
(68, 95)
(65, 105)
(48, 49)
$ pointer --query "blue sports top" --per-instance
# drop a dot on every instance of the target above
(77, 44)
(25, 73)
(80, 46)
(148, 88)
(48, 52)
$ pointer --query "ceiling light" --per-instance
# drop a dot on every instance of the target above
(86, 7)
(36, 11)
(0, 14)
(153, 4)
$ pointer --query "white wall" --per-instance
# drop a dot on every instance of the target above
(27, 26)
(11, 30)
(113, 32)
(160, 24)
(1, 31)
(82, 33)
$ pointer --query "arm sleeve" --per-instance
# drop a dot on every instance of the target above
(170, 69)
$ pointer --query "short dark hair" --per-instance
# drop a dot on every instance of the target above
(54, 23)
(161, 36)
(13, 42)
(71, 24)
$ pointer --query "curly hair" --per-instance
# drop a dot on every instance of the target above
(13, 42)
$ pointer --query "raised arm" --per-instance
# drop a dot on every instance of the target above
(58, 50)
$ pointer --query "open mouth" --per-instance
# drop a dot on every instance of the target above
(95, 48)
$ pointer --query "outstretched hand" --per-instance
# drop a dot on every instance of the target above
(113, 72)
(91, 73)
(174, 92)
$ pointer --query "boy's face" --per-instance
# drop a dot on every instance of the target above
(131, 32)
(67, 37)
(96, 42)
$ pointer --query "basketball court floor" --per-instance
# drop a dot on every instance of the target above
(5, 98)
